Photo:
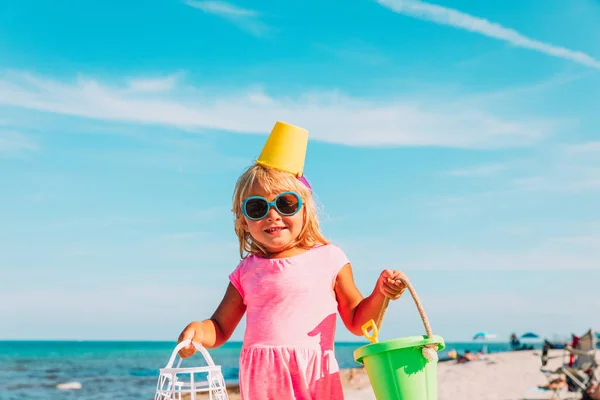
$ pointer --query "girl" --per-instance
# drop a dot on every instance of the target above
(290, 285)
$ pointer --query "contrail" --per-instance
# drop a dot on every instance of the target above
(457, 19)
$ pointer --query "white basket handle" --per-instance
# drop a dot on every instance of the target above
(198, 347)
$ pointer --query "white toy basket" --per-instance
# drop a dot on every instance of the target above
(176, 383)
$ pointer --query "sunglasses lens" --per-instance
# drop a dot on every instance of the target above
(256, 208)
(287, 204)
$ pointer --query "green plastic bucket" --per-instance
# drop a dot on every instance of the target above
(398, 370)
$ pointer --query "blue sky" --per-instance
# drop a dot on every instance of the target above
(456, 140)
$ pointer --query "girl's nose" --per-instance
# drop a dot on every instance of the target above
(273, 215)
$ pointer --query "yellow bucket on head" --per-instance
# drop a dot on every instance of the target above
(285, 149)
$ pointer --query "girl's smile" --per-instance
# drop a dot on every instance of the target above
(275, 230)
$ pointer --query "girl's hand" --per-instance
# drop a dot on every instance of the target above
(390, 284)
(194, 332)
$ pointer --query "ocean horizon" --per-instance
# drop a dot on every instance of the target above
(32, 369)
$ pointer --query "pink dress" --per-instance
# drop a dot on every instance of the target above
(290, 325)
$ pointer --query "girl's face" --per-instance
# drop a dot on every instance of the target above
(275, 231)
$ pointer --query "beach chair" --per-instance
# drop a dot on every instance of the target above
(582, 365)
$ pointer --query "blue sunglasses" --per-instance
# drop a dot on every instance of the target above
(286, 204)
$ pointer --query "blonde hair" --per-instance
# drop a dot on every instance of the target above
(274, 181)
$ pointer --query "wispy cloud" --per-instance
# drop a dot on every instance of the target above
(537, 88)
(330, 116)
(12, 142)
(221, 8)
(520, 183)
(569, 169)
(244, 18)
(573, 168)
(556, 178)
(154, 84)
(458, 19)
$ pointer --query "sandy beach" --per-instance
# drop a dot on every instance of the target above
(499, 376)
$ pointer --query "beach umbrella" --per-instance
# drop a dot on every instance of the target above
(529, 339)
(484, 336)
(530, 335)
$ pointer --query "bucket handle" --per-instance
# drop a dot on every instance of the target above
(417, 301)
(198, 347)
(429, 351)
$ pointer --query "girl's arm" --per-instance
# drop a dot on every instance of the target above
(355, 309)
(218, 329)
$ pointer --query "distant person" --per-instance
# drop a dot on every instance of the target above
(514, 342)
(574, 343)
(290, 283)
(468, 356)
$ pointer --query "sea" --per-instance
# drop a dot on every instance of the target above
(126, 370)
